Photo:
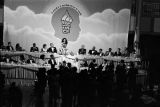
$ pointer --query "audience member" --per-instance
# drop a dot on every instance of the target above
(42, 60)
(15, 96)
(52, 60)
(132, 72)
(121, 75)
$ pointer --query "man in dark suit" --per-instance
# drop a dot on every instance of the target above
(82, 50)
(93, 51)
(52, 49)
(9, 47)
(100, 53)
(109, 52)
(34, 48)
(52, 61)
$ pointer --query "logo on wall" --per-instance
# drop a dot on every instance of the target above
(65, 22)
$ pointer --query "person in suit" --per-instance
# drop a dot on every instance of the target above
(93, 51)
(118, 53)
(18, 47)
(10, 47)
(34, 48)
(30, 60)
(82, 50)
(109, 52)
(52, 61)
(100, 53)
(52, 49)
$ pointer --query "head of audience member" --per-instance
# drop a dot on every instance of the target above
(69, 65)
(64, 63)
(131, 64)
(52, 56)
(22, 58)
(122, 63)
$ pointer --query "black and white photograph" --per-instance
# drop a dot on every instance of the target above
(79, 53)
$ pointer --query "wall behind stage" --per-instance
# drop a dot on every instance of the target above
(103, 23)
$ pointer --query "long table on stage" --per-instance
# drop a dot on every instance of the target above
(26, 74)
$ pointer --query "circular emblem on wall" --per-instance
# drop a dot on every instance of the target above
(65, 21)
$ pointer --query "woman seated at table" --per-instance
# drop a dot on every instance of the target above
(21, 59)
(42, 60)
(44, 48)
(63, 50)
(18, 47)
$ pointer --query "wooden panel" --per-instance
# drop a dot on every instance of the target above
(157, 25)
(145, 24)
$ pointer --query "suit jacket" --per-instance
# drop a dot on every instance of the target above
(52, 51)
(52, 62)
(100, 54)
(33, 49)
(82, 51)
(10, 48)
(92, 52)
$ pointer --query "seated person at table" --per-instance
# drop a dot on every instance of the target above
(109, 52)
(42, 60)
(34, 48)
(9, 47)
(82, 50)
(2, 46)
(125, 52)
(52, 49)
(93, 51)
(8, 59)
(64, 41)
(30, 60)
(100, 53)
(52, 61)
(44, 48)
(18, 47)
(21, 59)
(93, 64)
(63, 50)
(118, 53)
